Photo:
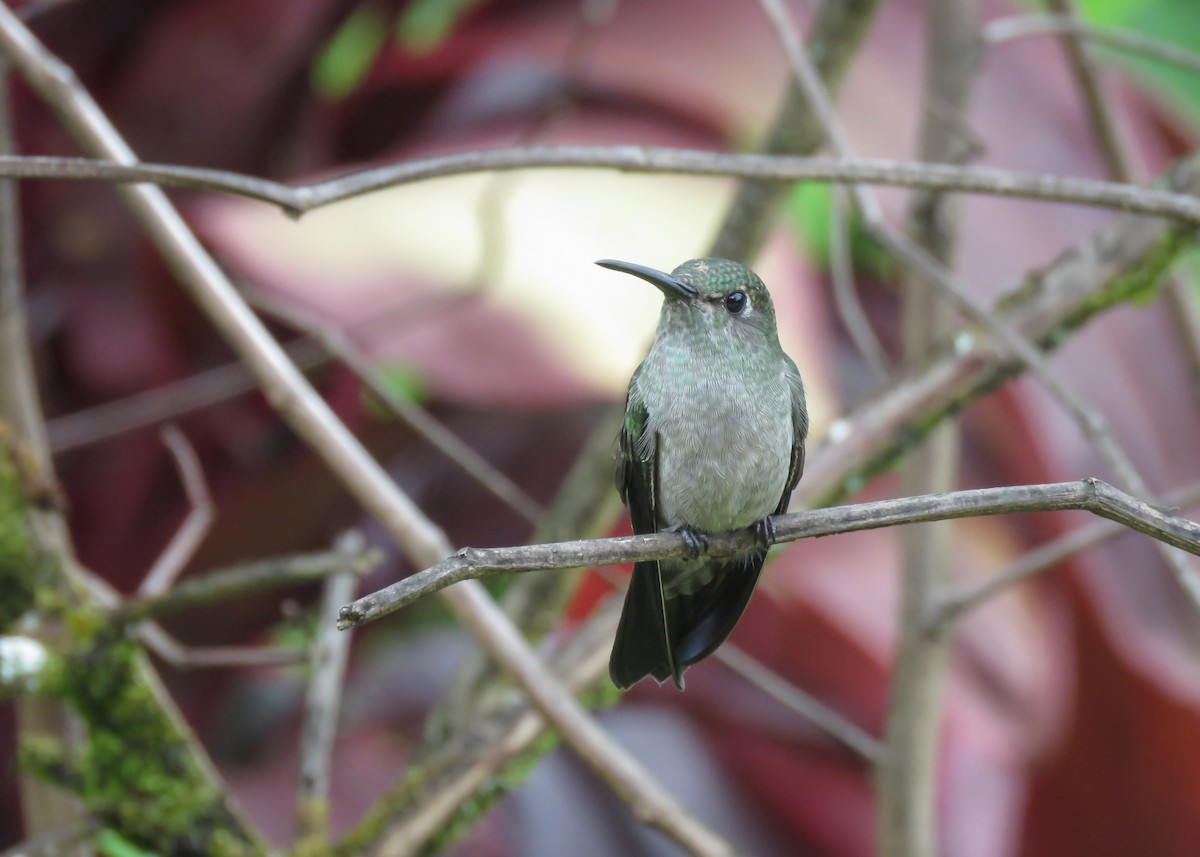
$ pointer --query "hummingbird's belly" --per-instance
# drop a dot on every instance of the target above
(729, 468)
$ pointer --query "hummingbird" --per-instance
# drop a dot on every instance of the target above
(713, 441)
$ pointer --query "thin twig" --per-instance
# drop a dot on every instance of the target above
(183, 657)
(1022, 26)
(169, 401)
(845, 292)
(584, 506)
(194, 528)
(178, 655)
(1038, 560)
(321, 707)
(1089, 495)
(1099, 108)
(1182, 305)
(335, 341)
(235, 582)
(313, 420)
(846, 733)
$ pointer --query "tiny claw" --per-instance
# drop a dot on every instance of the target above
(696, 541)
(764, 531)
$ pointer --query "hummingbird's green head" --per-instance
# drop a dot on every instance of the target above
(710, 294)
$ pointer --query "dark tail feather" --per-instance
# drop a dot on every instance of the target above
(700, 622)
(642, 647)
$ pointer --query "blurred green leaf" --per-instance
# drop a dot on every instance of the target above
(1174, 21)
(110, 843)
(343, 61)
(425, 24)
(403, 382)
(809, 205)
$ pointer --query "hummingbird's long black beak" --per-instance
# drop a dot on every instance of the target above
(668, 285)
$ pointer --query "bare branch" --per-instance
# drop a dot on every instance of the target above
(176, 653)
(1099, 109)
(207, 388)
(850, 736)
(321, 707)
(1089, 495)
(631, 159)
(169, 401)
(845, 293)
(1119, 163)
(335, 341)
(274, 573)
(1022, 26)
(183, 657)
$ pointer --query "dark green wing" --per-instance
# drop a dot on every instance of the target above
(642, 646)
(799, 434)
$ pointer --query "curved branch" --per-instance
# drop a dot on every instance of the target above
(298, 199)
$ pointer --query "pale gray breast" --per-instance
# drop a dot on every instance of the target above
(724, 446)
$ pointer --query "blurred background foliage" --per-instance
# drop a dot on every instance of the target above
(1073, 717)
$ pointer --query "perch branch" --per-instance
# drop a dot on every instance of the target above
(1089, 495)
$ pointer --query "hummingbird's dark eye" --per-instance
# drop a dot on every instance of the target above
(735, 302)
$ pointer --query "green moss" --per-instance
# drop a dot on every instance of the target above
(312, 820)
(136, 772)
(1138, 287)
(45, 757)
(22, 567)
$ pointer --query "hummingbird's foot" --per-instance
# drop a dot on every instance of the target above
(696, 541)
(764, 531)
